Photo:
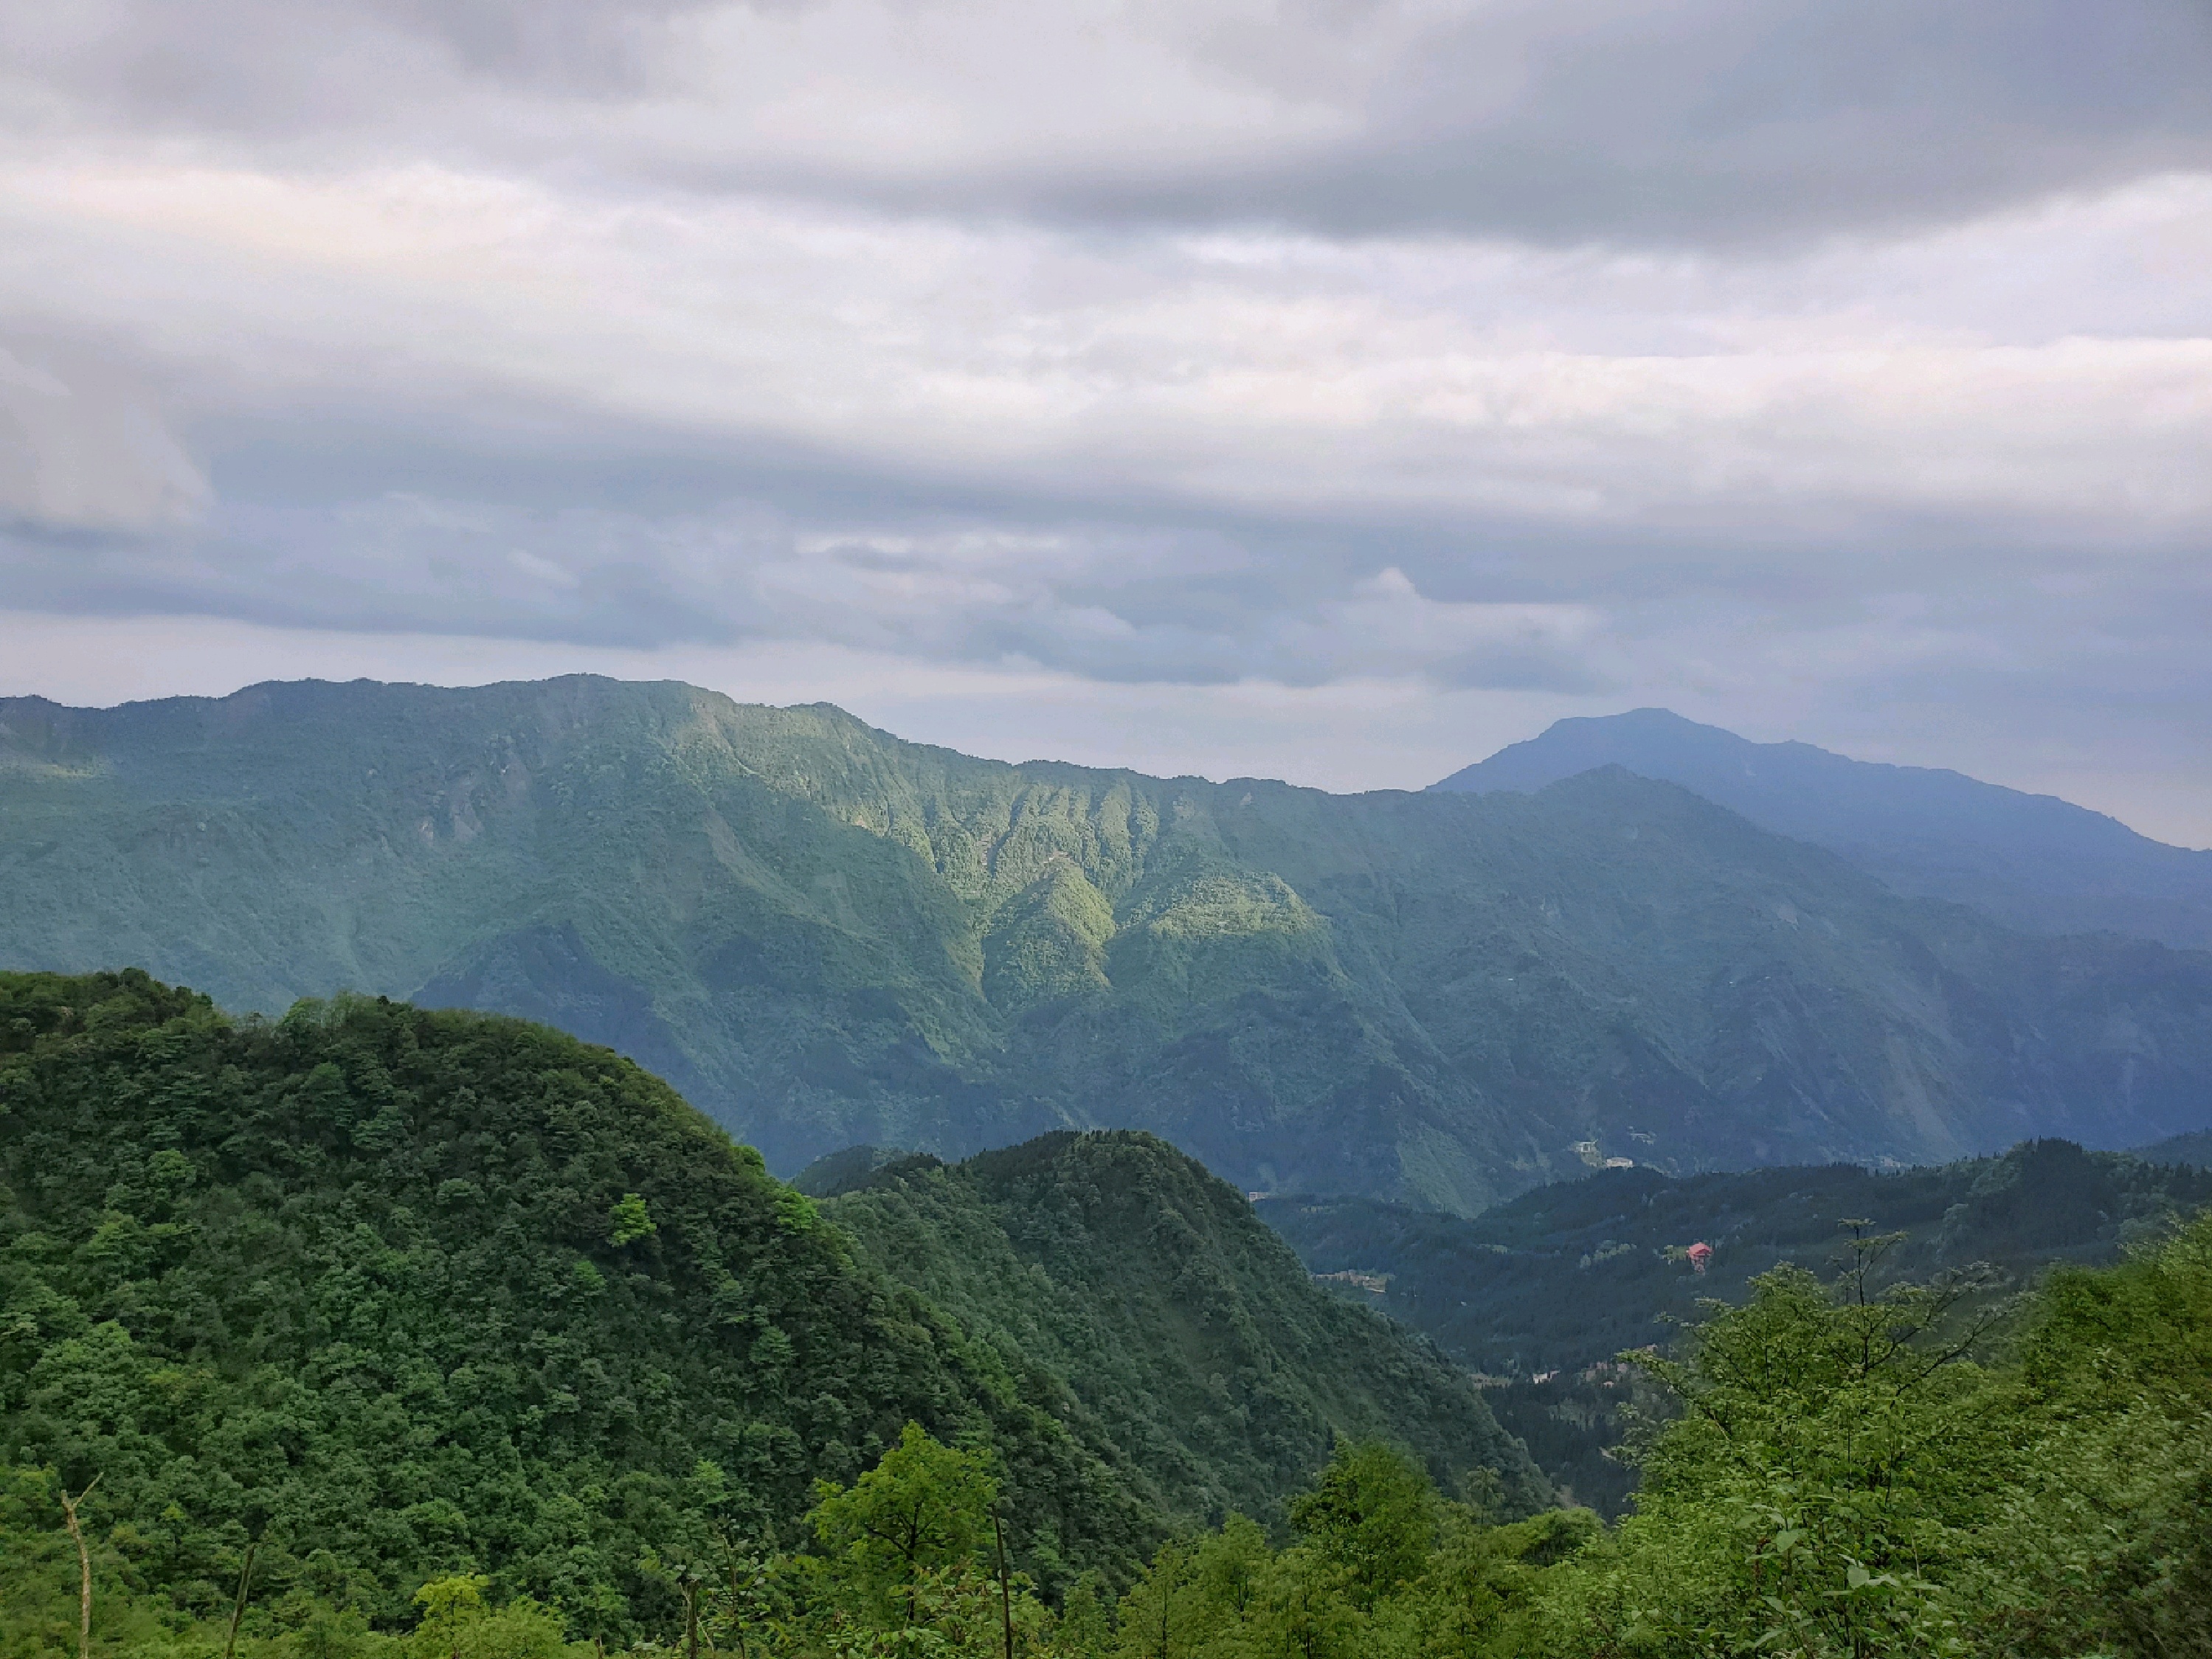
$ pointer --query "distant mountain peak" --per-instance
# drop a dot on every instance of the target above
(1646, 740)
(2035, 862)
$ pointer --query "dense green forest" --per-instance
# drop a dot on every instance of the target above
(823, 936)
(1571, 1273)
(1186, 1329)
(1540, 1294)
(1850, 1469)
(1860, 1467)
(371, 1298)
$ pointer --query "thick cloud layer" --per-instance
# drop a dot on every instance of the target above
(1555, 118)
(1835, 371)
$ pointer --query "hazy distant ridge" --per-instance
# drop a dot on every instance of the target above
(2033, 861)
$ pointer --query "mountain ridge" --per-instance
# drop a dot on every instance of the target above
(2035, 862)
(393, 1293)
(386, 1289)
(825, 936)
(1184, 1325)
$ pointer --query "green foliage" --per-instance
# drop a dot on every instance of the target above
(923, 1510)
(343, 1290)
(458, 1624)
(1139, 1298)
(1382, 1566)
(627, 1221)
(306, 1298)
(1085, 1629)
(1845, 1480)
(1837, 1450)
(370, 1299)
(906, 1561)
(1373, 1516)
(1554, 1283)
(824, 936)
(2102, 1544)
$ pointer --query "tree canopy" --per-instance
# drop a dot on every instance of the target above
(369, 1298)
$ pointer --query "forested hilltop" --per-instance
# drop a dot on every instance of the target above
(825, 936)
(1186, 1330)
(380, 1334)
(386, 1297)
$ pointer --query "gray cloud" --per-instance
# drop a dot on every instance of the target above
(1746, 119)
(1352, 382)
(1113, 603)
(1611, 120)
(271, 71)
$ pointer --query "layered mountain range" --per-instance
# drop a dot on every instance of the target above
(1570, 1274)
(824, 936)
(1541, 1294)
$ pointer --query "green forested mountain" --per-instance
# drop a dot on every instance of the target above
(388, 1294)
(1186, 1330)
(825, 936)
(1573, 1273)
(1849, 1470)
(398, 1293)
(1546, 1289)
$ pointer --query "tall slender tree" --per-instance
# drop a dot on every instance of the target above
(83, 1566)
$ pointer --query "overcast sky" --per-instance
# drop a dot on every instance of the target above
(1327, 389)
